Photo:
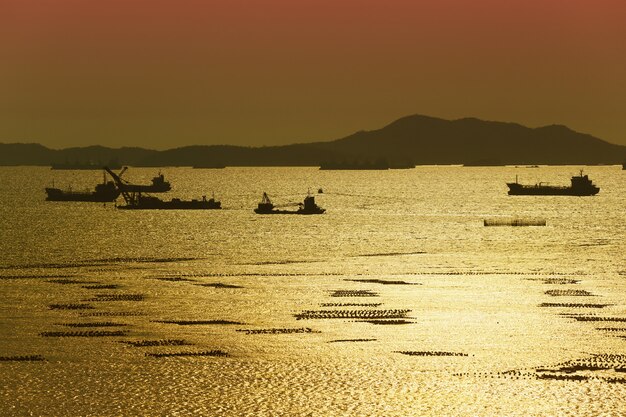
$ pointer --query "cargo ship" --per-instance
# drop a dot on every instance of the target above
(103, 193)
(307, 207)
(581, 186)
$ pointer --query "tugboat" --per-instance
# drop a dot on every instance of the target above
(142, 202)
(581, 186)
(308, 207)
(103, 193)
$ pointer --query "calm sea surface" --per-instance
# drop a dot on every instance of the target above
(396, 302)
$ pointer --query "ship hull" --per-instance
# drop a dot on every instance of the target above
(174, 205)
(132, 188)
(518, 189)
(320, 211)
(56, 194)
(308, 207)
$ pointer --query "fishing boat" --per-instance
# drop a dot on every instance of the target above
(103, 193)
(307, 207)
(581, 186)
(139, 201)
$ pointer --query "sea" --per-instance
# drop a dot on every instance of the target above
(398, 301)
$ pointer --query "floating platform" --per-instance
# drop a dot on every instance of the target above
(514, 222)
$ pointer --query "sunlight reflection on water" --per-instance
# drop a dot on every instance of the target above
(412, 306)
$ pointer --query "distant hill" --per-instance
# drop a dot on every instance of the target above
(413, 139)
(428, 140)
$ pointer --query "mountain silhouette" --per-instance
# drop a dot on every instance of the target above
(419, 139)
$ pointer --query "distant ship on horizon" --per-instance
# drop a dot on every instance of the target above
(581, 186)
(84, 166)
(355, 165)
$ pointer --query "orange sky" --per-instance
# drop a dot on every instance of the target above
(165, 73)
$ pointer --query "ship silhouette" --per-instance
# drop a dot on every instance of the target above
(581, 186)
(105, 192)
(307, 207)
(136, 199)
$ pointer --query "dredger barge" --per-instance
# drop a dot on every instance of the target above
(136, 200)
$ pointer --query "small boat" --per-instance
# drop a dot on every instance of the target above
(144, 202)
(581, 186)
(103, 193)
(307, 207)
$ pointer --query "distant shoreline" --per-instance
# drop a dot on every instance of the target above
(412, 140)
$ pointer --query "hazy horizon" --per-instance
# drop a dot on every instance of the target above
(167, 74)
(259, 145)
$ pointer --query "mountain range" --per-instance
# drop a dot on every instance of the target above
(416, 139)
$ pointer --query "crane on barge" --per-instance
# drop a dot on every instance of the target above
(135, 200)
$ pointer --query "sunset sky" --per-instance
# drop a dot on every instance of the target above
(167, 73)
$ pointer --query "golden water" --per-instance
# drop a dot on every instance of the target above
(477, 292)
